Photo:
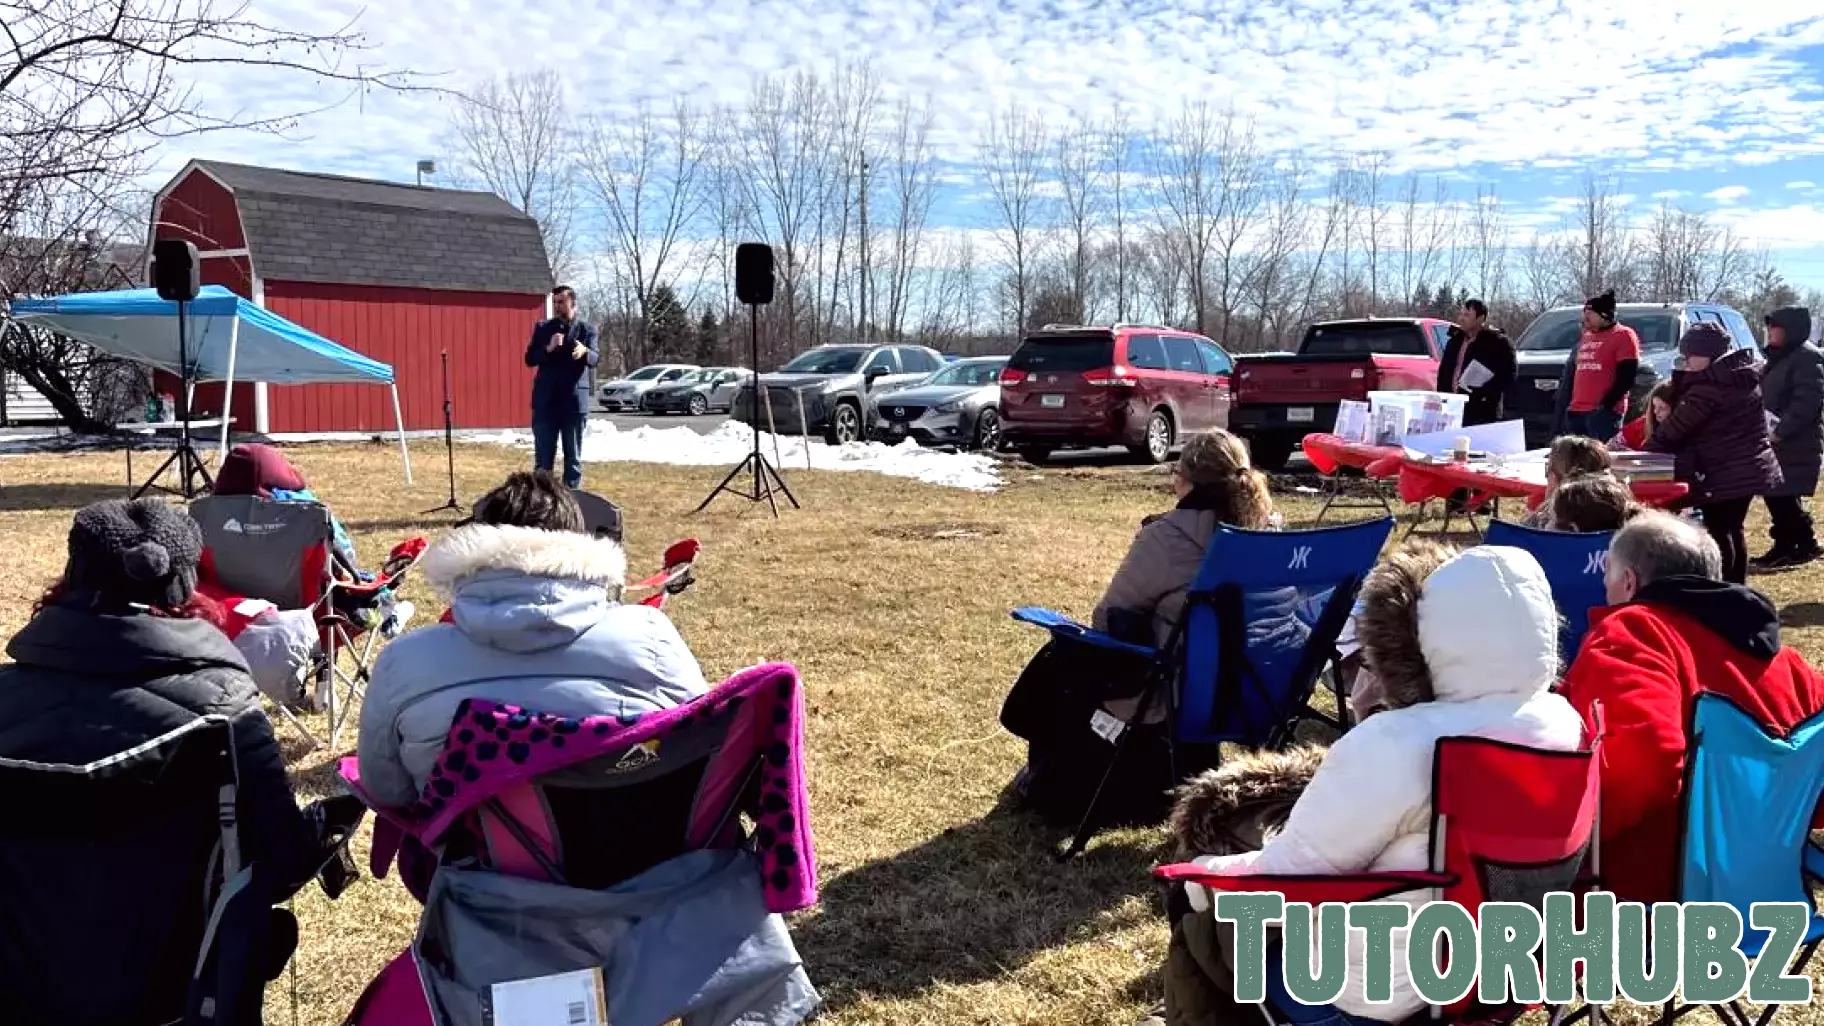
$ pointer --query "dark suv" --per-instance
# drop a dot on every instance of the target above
(1542, 388)
(1139, 386)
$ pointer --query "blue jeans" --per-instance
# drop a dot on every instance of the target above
(1601, 425)
(547, 431)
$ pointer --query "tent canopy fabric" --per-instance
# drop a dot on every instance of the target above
(229, 337)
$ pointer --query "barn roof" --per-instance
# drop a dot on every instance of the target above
(303, 226)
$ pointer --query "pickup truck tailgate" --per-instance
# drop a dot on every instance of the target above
(1294, 379)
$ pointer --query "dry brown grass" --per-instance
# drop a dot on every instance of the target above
(891, 597)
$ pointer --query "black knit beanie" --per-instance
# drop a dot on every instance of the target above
(1603, 305)
(140, 553)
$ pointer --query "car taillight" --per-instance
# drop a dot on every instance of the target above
(1009, 376)
(1109, 377)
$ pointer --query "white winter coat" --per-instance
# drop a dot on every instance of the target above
(1489, 635)
(537, 624)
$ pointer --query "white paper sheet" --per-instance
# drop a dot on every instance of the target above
(1504, 438)
(1475, 375)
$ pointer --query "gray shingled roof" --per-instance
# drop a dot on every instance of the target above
(353, 231)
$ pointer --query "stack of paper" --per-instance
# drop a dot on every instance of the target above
(1642, 466)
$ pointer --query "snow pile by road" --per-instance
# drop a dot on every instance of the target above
(603, 442)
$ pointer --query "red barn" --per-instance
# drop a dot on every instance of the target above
(399, 273)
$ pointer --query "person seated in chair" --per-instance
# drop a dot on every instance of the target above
(120, 651)
(254, 469)
(1459, 644)
(1592, 504)
(1571, 457)
(1067, 685)
(1673, 630)
(536, 621)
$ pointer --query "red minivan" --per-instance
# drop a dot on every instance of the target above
(1138, 386)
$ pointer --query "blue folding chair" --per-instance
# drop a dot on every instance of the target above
(1574, 565)
(1747, 809)
(1259, 628)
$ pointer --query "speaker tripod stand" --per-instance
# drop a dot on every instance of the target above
(189, 463)
(766, 479)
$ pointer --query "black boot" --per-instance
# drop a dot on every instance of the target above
(1775, 557)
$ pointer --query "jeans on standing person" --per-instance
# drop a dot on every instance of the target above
(547, 432)
(1724, 521)
(1601, 425)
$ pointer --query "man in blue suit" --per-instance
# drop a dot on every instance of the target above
(565, 352)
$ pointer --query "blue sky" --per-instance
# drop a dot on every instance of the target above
(1718, 105)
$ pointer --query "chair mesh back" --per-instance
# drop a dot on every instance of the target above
(63, 925)
(1748, 805)
(1516, 821)
(260, 548)
(1573, 564)
(1262, 619)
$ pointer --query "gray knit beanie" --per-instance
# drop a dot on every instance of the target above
(142, 553)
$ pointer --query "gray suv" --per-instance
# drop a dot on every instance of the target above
(836, 386)
(1542, 387)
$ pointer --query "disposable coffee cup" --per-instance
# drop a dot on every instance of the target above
(1460, 448)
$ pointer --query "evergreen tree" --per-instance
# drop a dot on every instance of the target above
(709, 339)
(668, 334)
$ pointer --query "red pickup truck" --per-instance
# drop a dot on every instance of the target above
(1281, 398)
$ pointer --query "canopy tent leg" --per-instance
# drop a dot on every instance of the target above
(234, 339)
(405, 454)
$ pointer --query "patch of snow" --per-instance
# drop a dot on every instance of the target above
(603, 442)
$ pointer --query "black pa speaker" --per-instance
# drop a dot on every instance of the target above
(176, 271)
(754, 273)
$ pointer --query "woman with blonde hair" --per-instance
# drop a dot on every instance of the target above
(1070, 687)
(1215, 484)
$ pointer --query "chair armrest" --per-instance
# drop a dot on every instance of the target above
(1313, 889)
(1062, 626)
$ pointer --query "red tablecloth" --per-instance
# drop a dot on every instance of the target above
(1327, 452)
(1421, 481)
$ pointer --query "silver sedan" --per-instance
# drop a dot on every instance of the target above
(959, 405)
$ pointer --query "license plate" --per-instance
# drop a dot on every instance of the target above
(1301, 414)
(1051, 401)
(1546, 384)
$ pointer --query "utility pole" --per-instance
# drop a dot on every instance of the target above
(864, 251)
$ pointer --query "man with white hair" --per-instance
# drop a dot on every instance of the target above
(1673, 629)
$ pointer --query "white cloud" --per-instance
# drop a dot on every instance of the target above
(1801, 185)
(1336, 76)
(1728, 194)
(1670, 194)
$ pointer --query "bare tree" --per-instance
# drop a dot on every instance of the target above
(1284, 232)
(1488, 234)
(1427, 221)
(1187, 164)
(1013, 155)
(1120, 159)
(1689, 257)
(1240, 177)
(1371, 183)
(513, 136)
(88, 90)
(1604, 253)
(646, 173)
(785, 144)
(1080, 172)
(912, 179)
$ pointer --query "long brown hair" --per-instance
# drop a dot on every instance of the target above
(198, 607)
(1216, 464)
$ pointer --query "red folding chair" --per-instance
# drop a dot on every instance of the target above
(1510, 824)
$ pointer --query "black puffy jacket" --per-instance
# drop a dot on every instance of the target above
(85, 686)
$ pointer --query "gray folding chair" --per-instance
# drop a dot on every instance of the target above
(281, 552)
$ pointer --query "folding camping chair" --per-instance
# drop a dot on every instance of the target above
(1510, 824)
(1573, 564)
(589, 805)
(170, 804)
(1747, 810)
(280, 552)
(1259, 629)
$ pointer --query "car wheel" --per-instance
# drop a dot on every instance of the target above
(845, 424)
(1037, 455)
(988, 430)
(699, 404)
(1156, 446)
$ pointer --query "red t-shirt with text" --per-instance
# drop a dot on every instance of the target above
(1597, 354)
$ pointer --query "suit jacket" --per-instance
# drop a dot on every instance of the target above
(1492, 349)
(564, 386)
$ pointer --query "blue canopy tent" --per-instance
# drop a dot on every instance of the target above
(228, 339)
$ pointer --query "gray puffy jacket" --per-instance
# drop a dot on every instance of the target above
(538, 624)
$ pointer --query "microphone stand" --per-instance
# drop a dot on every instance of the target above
(449, 443)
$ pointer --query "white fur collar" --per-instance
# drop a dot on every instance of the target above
(473, 548)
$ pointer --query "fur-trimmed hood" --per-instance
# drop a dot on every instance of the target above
(1214, 811)
(524, 590)
(562, 555)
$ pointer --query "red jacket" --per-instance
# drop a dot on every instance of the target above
(1634, 434)
(1646, 662)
